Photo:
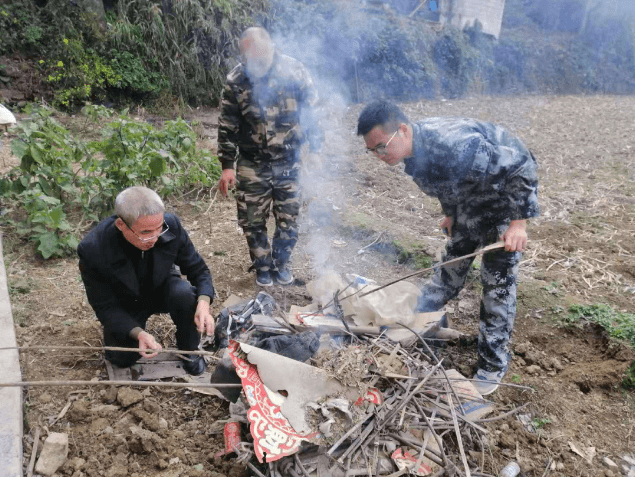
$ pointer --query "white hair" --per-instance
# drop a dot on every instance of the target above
(137, 201)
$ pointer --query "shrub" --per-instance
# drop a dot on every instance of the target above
(62, 183)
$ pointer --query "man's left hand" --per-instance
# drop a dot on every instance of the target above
(203, 319)
(515, 236)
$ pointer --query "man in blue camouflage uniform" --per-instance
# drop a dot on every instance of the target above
(486, 180)
(267, 113)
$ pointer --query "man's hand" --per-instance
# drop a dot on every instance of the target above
(446, 226)
(227, 181)
(203, 319)
(146, 341)
(515, 236)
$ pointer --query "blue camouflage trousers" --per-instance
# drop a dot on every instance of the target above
(265, 186)
(499, 270)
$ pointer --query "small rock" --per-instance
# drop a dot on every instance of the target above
(560, 466)
(98, 426)
(533, 369)
(151, 406)
(163, 464)
(79, 412)
(127, 396)
(532, 358)
(174, 461)
(606, 461)
(163, 423)
(629, 460)
(77, 463)
(117, 469)
(521, 349)
(555, 363)
(45, 398)
(53, 455)
(110, 395)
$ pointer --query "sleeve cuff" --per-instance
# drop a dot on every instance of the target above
(205, 298)
(134, 333)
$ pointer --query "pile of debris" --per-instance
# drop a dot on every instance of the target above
(334, 389)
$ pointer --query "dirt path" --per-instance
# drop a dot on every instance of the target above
(581, 251)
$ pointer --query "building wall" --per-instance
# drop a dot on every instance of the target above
(464, 13)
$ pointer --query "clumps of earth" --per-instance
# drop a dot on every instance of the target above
(133, 431)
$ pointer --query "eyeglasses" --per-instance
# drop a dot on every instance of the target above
(381, 149)
(165, 228)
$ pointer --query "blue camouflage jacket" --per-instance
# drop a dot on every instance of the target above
(469, 163)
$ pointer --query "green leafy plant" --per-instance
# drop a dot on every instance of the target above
(539, 423)
(620, 325)
(515, 378)
(79, 75)
(628, 381)
(62, 183)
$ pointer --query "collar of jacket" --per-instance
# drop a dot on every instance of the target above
(411, 162)
(162, 256)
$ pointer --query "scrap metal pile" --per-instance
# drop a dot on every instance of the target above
(323, 395)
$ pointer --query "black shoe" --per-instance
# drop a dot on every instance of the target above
(284, 276)
(263, 278)
(195, 366)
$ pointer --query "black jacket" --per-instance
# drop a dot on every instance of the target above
(110, 279)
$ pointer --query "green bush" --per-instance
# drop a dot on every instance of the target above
(20, 26)
(62, 183)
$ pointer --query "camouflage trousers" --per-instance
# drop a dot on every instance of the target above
(264, 186)
(499, 270)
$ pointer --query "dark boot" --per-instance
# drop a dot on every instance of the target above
(195, 366)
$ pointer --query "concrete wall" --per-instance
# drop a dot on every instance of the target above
(464, 13)
(10, 397)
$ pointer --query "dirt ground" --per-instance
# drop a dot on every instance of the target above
(581, 250)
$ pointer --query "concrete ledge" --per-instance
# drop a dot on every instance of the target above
(10, 397)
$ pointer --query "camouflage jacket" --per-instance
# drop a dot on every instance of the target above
(475, 164)
(270, 119)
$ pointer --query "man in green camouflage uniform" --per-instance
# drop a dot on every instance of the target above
(486, 180)
(267, 113)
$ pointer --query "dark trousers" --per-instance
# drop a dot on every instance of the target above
(176, 297)
(499, 270)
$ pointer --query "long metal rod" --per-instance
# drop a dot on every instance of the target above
(118, 349)
(132, 383)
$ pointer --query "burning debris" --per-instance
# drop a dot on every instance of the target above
(366, 402)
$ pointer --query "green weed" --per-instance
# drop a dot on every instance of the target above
(515, 378)
(538, 423)
(620, 325)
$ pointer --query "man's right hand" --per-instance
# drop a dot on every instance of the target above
(446, 226)
(146, 341)
(227, 181)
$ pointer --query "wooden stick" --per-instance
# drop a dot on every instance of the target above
(131, 383)
(118, 349)
(511, 412)
(458, 436)
(390, 415)
(491, 247)
(36, 443)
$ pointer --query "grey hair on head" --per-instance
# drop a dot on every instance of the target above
(137, 201)
(258, 34)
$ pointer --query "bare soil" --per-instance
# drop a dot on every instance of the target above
(581, 251)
